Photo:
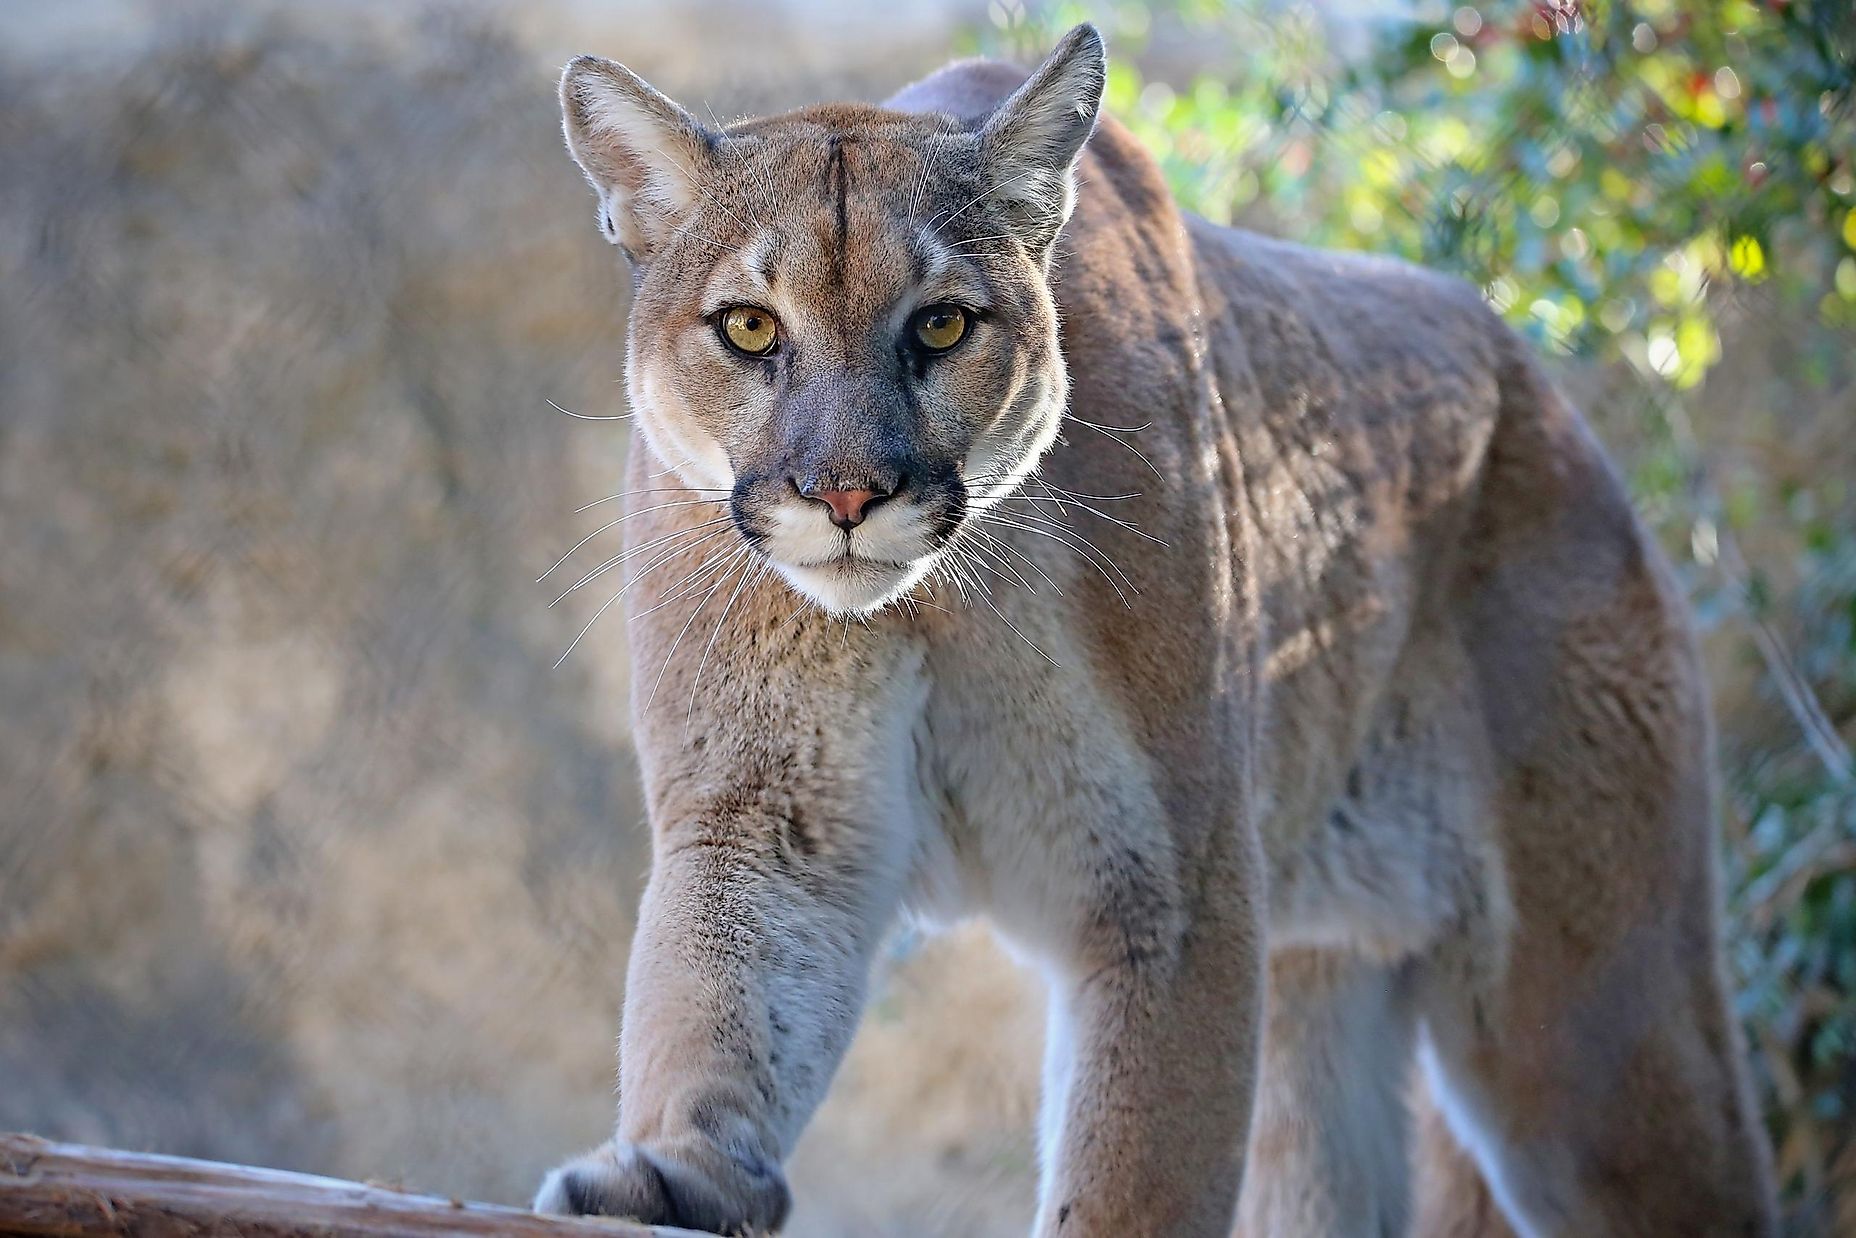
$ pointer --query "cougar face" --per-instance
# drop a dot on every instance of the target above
(842, 317)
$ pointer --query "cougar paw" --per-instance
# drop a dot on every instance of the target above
(716, 1193)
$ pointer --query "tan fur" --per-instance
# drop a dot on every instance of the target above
(1386, 758)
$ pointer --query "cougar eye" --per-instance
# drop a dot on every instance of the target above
(749, 331)
(938, 328)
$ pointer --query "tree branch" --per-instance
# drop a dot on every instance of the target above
(62, 1188)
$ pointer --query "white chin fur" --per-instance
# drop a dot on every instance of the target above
(854, 586)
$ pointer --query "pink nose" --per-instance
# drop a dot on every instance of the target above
(847, 506)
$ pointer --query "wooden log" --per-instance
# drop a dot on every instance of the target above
(63, 1188)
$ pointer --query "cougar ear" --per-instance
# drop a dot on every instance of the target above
(642, 153)
(1029, 146)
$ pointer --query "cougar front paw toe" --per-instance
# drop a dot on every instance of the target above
(657, 1189)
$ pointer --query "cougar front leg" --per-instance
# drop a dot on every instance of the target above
(746, 980)
(1152, 1064)
(778, 854)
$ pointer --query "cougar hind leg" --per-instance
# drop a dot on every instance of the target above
(1603, 1094)
(1600, 1088)
(1328, 1150)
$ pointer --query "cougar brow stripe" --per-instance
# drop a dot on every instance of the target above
(837, 180)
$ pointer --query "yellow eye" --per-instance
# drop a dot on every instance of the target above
(750, 330)
(938, 328)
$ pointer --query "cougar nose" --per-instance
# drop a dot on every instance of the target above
(848, 507)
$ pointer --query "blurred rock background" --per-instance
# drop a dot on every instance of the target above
(309, 857)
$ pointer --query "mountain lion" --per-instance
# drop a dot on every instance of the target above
(1253, 634)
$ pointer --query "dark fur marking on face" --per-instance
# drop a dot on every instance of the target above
(913, 362)
(741, 514)
(949, 517)
(906, 389)
(837, 188)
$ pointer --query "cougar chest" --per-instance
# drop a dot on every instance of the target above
(1037, 802)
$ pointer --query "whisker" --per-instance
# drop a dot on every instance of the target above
(1145, 425)
(987, 598)
(1038, 502)
(700, 188)
(985, 594)
(937, 223)
(1109, 434)
(973, 568)
(626, 494)
(696, 184)
(1077, 494)
(707, 596)
(921, 183)
(1039, 518)
(1064, 536)
(1129, 525)
(586, 416)
(1022, 558)
(950, 568)
(980, 565)
(607, 604)
(583, 631)
(981, 559)
(798, 610)
(613, 524)
(716, 247)
(751, 573)
(988, 253)
(988, 479)
(641, 548)
(669, 468)
(690, 583)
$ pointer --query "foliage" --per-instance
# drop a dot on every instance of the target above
(1634, 185)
